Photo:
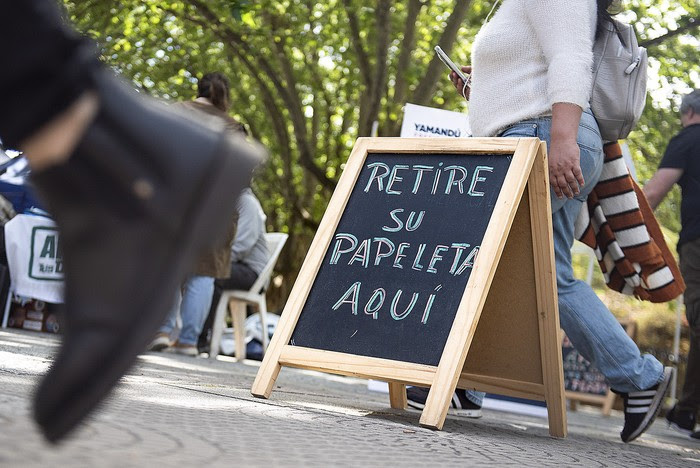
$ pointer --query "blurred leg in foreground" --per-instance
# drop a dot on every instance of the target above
(133, 207)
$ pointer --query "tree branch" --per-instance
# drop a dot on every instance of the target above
(407, 44)
(378, 83)
(293, 105)
(362, 59)
(688, 26)
(424, 92)
(311, 60)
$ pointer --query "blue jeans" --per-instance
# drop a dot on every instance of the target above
(590, 326)
(196, 297)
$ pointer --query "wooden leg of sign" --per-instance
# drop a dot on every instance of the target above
(270, 367)
(608, 403)
(267, 374)
(573, 405)
(547, 304)
(453, 357)
(467, 318)
(397, 395)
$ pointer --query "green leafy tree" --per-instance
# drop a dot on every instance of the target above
(308, 78)
(669, 30)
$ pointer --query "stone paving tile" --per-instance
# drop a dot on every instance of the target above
(177, 411)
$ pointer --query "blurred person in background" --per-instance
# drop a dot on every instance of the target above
(249, 255)
(193, 300)
(681, 165)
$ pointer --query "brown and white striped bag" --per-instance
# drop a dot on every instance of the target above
(619, 225)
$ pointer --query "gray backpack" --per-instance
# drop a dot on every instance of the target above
(619, 81)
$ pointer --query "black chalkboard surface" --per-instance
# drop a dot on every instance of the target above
(397, 266)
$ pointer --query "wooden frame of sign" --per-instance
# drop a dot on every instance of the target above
(505, 334)
(607, 401)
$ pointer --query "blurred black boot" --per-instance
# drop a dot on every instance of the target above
(680, 420)
(143, 192)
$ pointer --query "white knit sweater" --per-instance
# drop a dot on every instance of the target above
(531, 54)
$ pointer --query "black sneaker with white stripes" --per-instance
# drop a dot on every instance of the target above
(461, 405)
(642, 407)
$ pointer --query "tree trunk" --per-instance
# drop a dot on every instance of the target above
(407, 44)
(378, 83)
(423, 94)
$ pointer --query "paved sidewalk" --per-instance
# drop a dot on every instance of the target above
(178, 411)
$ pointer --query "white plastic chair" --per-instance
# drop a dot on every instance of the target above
(236, 300)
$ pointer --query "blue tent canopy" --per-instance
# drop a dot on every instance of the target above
(14, 185)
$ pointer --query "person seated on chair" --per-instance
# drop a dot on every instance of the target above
(249, 255)
(192, 300)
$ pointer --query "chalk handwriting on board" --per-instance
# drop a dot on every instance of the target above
(370, 252)
(385, 177)
(400, 258)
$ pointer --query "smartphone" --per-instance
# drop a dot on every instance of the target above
(450, 64)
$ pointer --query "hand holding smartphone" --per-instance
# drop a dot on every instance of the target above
(451, 65)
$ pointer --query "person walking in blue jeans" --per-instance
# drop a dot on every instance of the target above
(532, 77)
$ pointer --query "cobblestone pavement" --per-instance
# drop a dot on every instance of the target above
(178, 411)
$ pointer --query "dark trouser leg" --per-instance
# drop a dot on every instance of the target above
(690, 398)
(690, 268)
(45, 67)
(242, 277)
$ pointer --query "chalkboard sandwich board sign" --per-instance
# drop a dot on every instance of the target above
(432, 266)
